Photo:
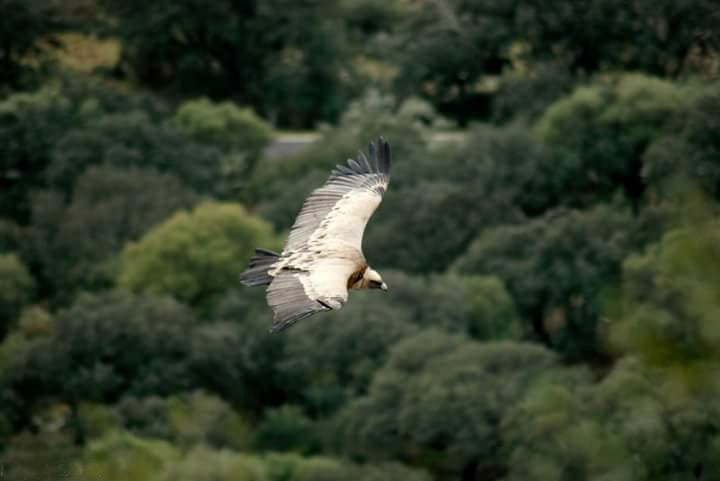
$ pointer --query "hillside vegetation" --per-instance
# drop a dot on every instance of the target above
(554, 271)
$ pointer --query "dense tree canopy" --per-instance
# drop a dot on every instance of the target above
(549, 239)
(601, 133)
(16, 289)
(27, 29)
(214, 240)
(75, 245)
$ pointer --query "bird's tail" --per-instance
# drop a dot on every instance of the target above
(257, 272)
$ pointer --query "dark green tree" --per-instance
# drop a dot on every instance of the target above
(76, 245)
(284, 59)
(334, 357)
(32, 124)
(558, 269)
(28, 28)
(635, 424)
(239, 361)
(16, 290)
(479, 307)
(659, 38)
(443, 198)
(104, 347)
(134, 139)
(599, 134)
(445, 49)
(287, 428)
(238, 131)
(686, 155)
(440, 400)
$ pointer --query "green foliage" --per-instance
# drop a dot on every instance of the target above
(311, 79)
(106, 346)
(239, 362)
(98, 419)
(202, 464)
(614, 35)
(10, 234)
(440, 400)
(145, 417)
(120, 344)
(120, 456)
(368, 17)
(557, 268)
(502, 173)
(287, 429)
(200, 418)
(454, 52)
(224, 124)
(76, 245)
(291, 467)
(196, 255)
(601, 131)
(446, 49)
(688, 150)
(236, 130)
(669, 311)
(583, 218)
(336, 361)
(633, 425)
(11, 349)
(28, 28)
(390, 472)
(322, 469)
(134, 139)
(525, 92)
(31, 125)
(477, 306)
(16, 290)
(284, 59)
(36, 322)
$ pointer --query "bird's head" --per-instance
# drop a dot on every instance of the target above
(372, 280)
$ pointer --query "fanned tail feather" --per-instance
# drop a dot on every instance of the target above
(257, 272)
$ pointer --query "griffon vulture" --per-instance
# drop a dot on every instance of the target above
(323, 256)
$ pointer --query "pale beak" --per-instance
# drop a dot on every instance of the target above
(383, 286)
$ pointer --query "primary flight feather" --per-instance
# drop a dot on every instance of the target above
(323, 256)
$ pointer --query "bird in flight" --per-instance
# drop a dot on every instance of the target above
(323, 257)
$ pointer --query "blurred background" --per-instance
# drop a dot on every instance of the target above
(550, 239)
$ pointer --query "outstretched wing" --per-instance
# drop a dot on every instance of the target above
(296, 294)
(325, 244)
(337, 212)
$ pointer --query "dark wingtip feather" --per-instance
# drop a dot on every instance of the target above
(282, 324)
(385, 156)
(378, 161)
(266, 252)
(364, 163)
(257, 272)
(355, 166)
(373, 155)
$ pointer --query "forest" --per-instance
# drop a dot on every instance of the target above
(550, 238)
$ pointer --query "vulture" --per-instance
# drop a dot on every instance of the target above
(322, 258)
